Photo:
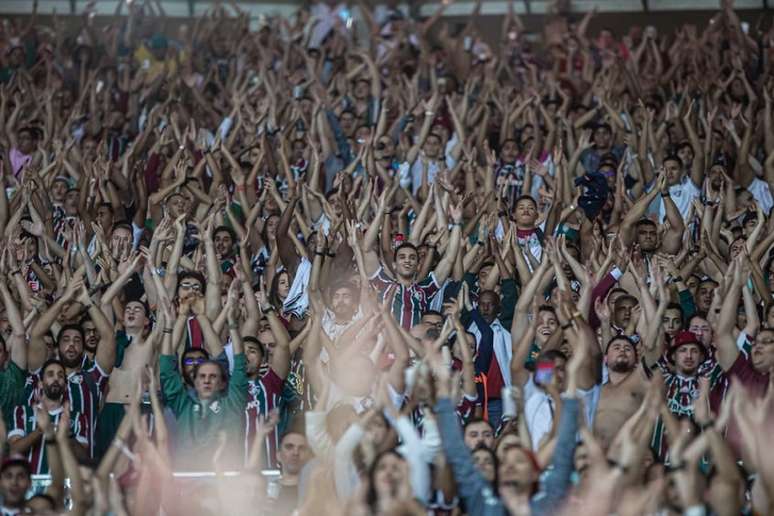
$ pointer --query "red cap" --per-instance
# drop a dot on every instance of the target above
(681, 339)
(14, 459)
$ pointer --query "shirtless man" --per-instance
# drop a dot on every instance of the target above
(622, 394)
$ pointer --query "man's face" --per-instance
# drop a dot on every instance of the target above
(14, 484)
(673, 171)
(479, 433)
(224, 244)
(59, 190)
(509, 152)
(621, 356)
(54, 382)
(685, 153)
(178, 204)
(516, 468)
(406, 261)
(526, 213)
(489, 306)
(602, 138)
(623, 311)
(688, 358)
(190, 361)
(763, 352)
(105, 217)
(433, 321)
(120, 240)
(347, 123)
(5, 325)
(26, 142)
(208, 381)
(71, 348)
(91, 336)
(189, 288)
(702, 329)
(266, 337)
(254, 357)
(135, 317)
(672, 321)
(293, 453)
(547, 325)
(647, 237)
(70, 204)
(484, 463)
(343, 303)
(432, 147)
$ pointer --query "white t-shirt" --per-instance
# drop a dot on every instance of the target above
(761, 193)
(682, 194)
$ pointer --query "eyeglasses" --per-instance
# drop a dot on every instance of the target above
(194, 361)
(191, 286)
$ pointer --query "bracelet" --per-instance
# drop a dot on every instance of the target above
(678, 279)
(167, 331)
(15, 272)
(566, 325)
(480, 242)
(267, 310)
(118, 443)
(429, 113)
(318, 253)
(233, 326)
(331, 255)
(458, 224)
(50, 440)
(666, 194)
(240, 188)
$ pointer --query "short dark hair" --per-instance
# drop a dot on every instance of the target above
(523, 197)
(672, 157)
(254, 340)
(191, 275)
(48, 363)
(474, 420)
(645, 222)
(404, 245)
(551, 356)
(76, 327)
(122, 224)
(222, 370)
(227, 229)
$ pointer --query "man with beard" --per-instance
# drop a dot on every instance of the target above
(26, 436)
(265, 385)
(90, 340)
(343, 309)
(224, 238)
(622, 394)
(86, 385)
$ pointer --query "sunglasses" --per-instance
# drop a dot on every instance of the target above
(193, 361)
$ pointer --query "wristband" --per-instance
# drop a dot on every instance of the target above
(233, 326)
(481, 243)
(167, 331)
(240, 188)
(331, 255)
(50, 440)
(267, 310)
(678, 279)
(458, 224)
(566, 325)
(15, 272)
(429, 113)
(318, 253)
(665, 194)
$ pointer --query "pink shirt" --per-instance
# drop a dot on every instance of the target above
(18, 160)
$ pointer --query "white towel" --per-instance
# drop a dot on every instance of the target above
(298, 299)
(501, 342)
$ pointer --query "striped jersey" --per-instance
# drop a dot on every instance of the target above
(680, 393)
(85, 389)
(407, 302)
(24, 423)
(264, 395)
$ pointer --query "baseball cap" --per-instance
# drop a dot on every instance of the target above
(16, 459)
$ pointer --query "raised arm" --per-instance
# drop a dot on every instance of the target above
(444, 267)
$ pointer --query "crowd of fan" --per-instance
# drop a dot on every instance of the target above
(416, 271)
